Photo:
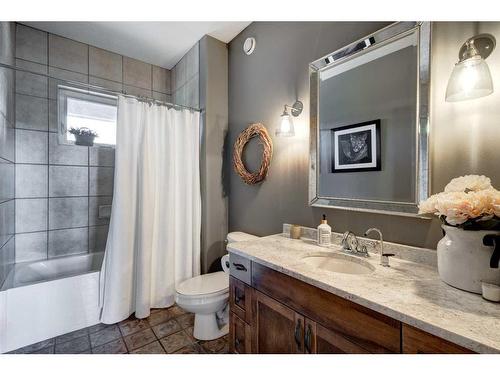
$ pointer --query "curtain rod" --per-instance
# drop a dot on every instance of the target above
(104, 90)
(117, 93)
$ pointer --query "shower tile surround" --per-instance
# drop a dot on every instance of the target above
(165, 331)
(7, 152)
(59, 188)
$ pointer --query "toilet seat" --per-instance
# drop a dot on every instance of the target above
(208, 285)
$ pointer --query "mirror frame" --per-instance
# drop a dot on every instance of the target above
(381, 37)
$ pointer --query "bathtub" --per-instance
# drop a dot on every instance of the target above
(48, 298)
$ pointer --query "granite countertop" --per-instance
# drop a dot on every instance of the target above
(407, 291)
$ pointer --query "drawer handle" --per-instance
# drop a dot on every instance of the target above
(239, 299)
(297, 334)
(240, 267)
(307, 339)
(236, 343)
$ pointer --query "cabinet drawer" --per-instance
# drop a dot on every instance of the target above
(416, 341)
(240, 268)
(239, 336)
(240, 299)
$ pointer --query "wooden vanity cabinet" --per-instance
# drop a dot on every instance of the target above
(369, 330)
(281, 314)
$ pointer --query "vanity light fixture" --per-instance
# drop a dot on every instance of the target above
(471, 76)
(286, 128)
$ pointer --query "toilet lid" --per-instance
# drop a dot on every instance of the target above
(204, 284)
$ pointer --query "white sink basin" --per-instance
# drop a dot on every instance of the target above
(339, 263)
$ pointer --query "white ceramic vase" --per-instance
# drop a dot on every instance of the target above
(463, 260)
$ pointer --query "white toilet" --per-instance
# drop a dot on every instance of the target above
(205, 295)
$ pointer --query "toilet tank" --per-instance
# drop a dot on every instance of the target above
(240, 236)
(235, 237)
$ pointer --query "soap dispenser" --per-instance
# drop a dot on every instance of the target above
(324, 233)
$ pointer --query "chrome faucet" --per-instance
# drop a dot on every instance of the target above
(350, 244)
(384, 258)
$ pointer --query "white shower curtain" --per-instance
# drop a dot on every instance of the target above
(154, 235)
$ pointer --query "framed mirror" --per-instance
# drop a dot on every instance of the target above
(370, 122)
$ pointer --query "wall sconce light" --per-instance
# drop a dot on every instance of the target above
(285, 128)
(471, 76)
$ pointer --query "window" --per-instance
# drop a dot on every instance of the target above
(83, 108)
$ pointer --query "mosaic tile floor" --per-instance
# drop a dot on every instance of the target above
(164, 331)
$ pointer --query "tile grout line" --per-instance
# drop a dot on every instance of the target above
(88, 166)
(14, 140)
(48, 165)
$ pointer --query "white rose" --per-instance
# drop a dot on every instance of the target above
(429, 205)
(468, 183)
(482, 202)
(457, 207)
(495, 202)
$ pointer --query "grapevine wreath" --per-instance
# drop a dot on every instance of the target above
(254, 130)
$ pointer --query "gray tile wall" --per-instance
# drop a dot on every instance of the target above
(59, 188)
(185, 83)
(7, 149)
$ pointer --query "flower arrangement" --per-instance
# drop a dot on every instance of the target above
(468, 202)
(83, 136)
(85, 132)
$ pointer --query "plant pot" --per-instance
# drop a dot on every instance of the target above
(84, 140)
(463, 259)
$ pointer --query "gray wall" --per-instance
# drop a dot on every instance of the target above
(59, 188)
(464, 136)
(214, 102)
(7, 146)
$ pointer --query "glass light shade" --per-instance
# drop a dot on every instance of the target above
(470, 79)
(285, 128)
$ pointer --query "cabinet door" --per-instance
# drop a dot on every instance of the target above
(275, 327)
(239, 335)
(416, 341)
(321, 340)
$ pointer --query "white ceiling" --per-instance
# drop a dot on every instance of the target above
(158, 43)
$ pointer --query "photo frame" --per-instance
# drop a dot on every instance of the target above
(356, 147)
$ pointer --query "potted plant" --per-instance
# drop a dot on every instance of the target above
(83, 136)
(469, 252)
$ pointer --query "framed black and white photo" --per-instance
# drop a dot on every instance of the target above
(356, 147)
